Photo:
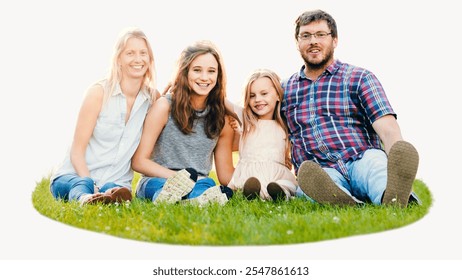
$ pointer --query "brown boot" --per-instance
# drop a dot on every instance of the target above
(119, 194)
(95, 198)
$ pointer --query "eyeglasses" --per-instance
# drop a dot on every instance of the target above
(318, 35)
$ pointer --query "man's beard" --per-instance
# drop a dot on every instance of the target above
(321, 64)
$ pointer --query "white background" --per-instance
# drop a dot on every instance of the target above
(51, 51)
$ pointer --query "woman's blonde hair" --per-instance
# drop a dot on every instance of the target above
(115, 74)
(250, 119)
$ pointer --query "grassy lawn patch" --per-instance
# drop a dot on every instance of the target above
(239, 222)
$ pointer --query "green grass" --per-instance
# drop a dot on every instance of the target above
(239, 222)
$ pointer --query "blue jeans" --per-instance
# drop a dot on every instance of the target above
(72, 186)
(150, 187)
(368, 177)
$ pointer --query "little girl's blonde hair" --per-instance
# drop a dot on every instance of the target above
(250, 119)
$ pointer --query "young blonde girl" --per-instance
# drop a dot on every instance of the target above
(263, 168)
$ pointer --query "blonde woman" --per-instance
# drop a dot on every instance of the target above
(98, 165)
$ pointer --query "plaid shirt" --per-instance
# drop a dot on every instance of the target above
(330, 119)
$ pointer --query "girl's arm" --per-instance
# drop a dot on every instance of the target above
(223, 154)
(235, 121)
(155, 121)
(237, 134)
(86, 122)
(234, 111)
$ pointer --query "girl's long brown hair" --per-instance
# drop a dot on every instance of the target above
(182, 111)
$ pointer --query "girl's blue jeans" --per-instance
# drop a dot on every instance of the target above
(150, 187)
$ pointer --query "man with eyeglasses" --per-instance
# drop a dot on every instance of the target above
(347, 146)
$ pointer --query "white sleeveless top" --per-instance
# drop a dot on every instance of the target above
(113, 142)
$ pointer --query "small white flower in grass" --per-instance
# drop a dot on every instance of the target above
(127, 228)
(116, 203)
(290, 232)
(336, 219)
(99, 215)
(117, 210)
(100, 208)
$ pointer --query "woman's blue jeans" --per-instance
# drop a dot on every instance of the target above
(72, 186)
(150, 187)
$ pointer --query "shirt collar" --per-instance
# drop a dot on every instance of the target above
(118, 91)
(331, 69)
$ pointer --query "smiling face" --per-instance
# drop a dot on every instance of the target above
(134, 59)
(202, 74)
(318, 53)
(263, 98)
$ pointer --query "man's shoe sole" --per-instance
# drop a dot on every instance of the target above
(317, 184)
(403, 161)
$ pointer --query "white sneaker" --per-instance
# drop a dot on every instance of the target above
(175, 187)
(210, 195)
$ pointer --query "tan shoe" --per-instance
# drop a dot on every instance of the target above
(175, 187)
(403, 161)
(210, 195)
(317, 184)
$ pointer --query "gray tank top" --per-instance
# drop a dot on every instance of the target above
(176, 150)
